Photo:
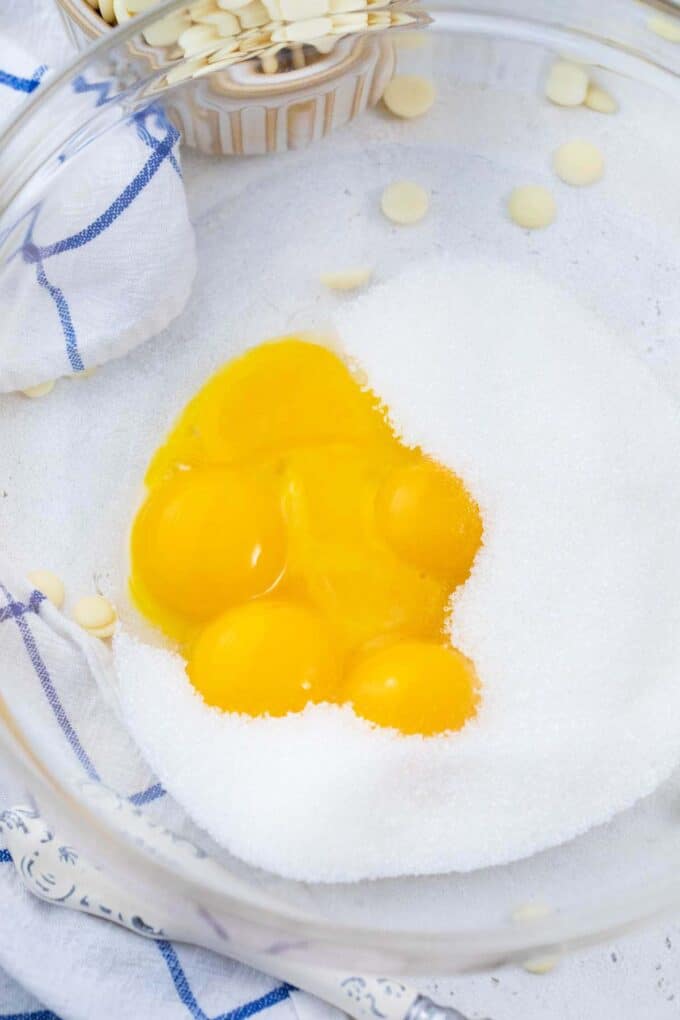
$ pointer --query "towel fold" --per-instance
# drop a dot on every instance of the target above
(103, 256)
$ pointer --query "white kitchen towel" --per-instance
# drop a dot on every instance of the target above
(56, 963)
(103, 257)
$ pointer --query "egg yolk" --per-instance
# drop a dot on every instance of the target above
(412, 686)
(297, 551)
(209, 538)
(265, 657)
(429, 518)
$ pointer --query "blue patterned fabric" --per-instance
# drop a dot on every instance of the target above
(150, 979)
(112, 973)
(106, 240)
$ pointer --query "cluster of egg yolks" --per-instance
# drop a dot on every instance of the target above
(299, 552)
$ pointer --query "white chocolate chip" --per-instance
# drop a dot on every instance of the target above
(599, 100)
(404, 202)
(532, 207)
(103, 632)
(186, 69)
(96, 615)
(409, 95)
(532, 911)
(347, 279)
(107, 12)
(567, 83)
(168, 30)
(49, 584)
(227, 24)
(303, 31)
(41, 390)
(225, 57)
(666, 28)
(120, 11)
(198, 39)
(541, 964)
(578, 163)
(253, 15)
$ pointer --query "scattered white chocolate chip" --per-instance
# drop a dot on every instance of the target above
(578, 163)
(567, 83)
(532, 911)
(599, 100)
(404, 202)
(666, 28)
(532, 207)
(409, 95)
(96, 615)
(541, 964)
(41, 390)
(347, 279)
(49, 584)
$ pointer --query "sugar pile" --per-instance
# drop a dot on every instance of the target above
(571, 615)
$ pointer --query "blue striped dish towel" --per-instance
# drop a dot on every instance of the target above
(60, 964)
(103, 259)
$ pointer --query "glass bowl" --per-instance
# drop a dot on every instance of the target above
(264, 229)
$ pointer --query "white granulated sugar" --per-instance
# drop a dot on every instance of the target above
(571, 615)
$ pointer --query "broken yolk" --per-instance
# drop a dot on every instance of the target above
(298, 551)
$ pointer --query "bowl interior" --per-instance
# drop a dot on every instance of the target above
(265, 228)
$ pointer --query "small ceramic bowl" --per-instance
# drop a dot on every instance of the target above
(286, 100)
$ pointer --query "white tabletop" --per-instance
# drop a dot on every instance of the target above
(636, 978)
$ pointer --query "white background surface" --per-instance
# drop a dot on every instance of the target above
(638, 978)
